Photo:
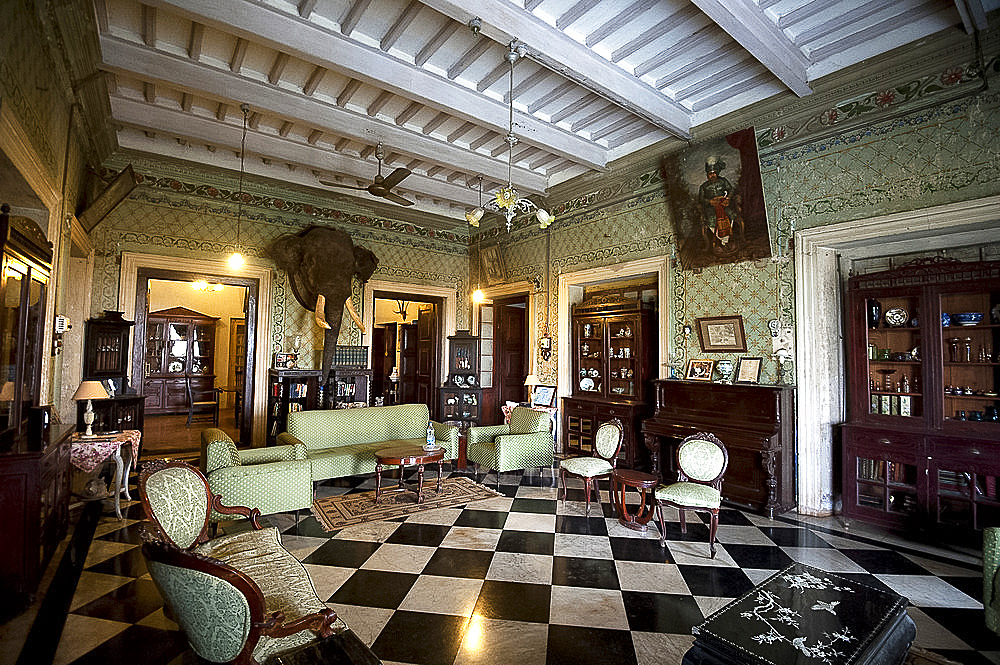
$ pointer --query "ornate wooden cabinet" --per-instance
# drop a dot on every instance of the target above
(460, 399)
(105, 359)
(755, 422)
(180, 345)
(612, 366)
(920, 447)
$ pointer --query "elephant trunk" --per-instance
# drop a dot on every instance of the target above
(330, 320)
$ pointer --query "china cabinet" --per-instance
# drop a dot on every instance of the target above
(921, 442)
(180, 346)
(612, 367)
(105, 359)
(460, 399)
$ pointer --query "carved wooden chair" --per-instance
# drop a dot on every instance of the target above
(607, 445)
(203, 403)
(240, 598)
(701, 462)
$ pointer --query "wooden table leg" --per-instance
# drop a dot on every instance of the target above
(378, 481)
(439, 477)
(420, 481)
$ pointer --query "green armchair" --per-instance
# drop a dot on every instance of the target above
(991, 577)
(526, 441)
(274, 479)
(240, 598)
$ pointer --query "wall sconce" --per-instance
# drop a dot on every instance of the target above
(545, 347)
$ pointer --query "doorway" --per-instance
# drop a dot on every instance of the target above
(193, 330)
(406, 342)
(510, 348)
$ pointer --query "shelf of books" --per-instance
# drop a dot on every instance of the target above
(290, 390)
(886, 485)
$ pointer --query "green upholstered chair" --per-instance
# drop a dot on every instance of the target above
(607, 445)
(991, 577)
(240, 598)
(274, 479)
(526, 441)
(701, 462)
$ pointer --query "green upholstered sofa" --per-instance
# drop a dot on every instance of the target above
(275, 479)
(342, 442)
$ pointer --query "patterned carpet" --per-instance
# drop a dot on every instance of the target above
(521, 578)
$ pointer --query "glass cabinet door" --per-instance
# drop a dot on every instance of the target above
(970, 336)
(202, 344)
(623, 357)
(895, 376)
(590, 333)
(10, 299)
(177, 350)
(155, 346)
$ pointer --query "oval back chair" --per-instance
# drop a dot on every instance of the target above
(604, 458)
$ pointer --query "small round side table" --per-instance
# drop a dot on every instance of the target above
(622, 478)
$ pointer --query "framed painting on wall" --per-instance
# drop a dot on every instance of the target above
(719, 334)
(492, 259)
(717, 201)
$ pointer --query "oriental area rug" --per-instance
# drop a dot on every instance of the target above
(337, 512)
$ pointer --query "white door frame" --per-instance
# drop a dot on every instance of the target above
(128, 280)
(819, 355)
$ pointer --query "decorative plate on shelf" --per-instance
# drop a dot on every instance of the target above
(470, 380)
(586, 384)
(458, 381)
(175, 366)
(896, 317)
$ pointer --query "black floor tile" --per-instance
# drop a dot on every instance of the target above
(420, 638)
(964, 657)
(885, 562)
(128, 603)
(526, 542)
(452, 562)
(716, 581)
(374, 588)
(150, 646)
(733, 517)
(640, 549)
(967, 625)
(413, 533)
(541, 506)
(661, 612)
(970, 586)
(483, 519)
(590, 573)
(573, 645)
(793, 537)
(696, 531)
(758, 556)
(582, 525)
(514, 601)
(127, 564)
(343, 553)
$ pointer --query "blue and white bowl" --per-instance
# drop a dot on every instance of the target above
(945, 319)
(967, 318)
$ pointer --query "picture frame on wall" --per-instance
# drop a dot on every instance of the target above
(543, 396)
(493, 268)
(700, 369)
(748, 369)
(720, 334)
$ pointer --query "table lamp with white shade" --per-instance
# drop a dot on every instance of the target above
(89, 390)
(531, 381)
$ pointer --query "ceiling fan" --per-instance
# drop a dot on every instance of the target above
(381, 187)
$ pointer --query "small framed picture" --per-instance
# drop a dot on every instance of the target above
(700, 370)
(721, 333)
(748, 369)
(285, 360)
(543, 396)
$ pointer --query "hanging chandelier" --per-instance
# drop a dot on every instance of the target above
(236, 260)
(507, 201)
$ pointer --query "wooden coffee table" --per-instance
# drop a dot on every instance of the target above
(622, 478)
(403, 455)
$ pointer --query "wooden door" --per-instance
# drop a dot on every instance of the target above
(511, 349)
(427, 361)
(407, 391)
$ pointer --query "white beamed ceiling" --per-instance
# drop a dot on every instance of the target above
(327, 79)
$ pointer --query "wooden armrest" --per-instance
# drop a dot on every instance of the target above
(250, 513)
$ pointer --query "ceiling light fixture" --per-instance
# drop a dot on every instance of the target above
(508, 201)
(473, 216)
(236, 261)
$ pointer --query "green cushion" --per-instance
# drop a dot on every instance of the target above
(179, 501)
(690, 494)
(528, 421)
(588, 467)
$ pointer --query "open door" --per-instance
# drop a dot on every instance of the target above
(511, 348)
(427, 360)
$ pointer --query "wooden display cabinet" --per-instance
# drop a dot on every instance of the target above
(290, 390)
(921, 444)
(180, 346)
(460, 400)
(105, 358)
(612, 367)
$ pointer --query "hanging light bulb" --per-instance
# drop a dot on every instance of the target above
(477, 296)
(236, 260)
(507, 201)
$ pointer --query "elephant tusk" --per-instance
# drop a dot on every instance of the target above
(354, 315)
(320, 318)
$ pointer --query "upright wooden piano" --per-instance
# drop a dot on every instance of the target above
(755, 422)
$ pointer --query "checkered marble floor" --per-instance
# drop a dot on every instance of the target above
(528, 579)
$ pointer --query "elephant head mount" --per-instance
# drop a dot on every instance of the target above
(321, 263)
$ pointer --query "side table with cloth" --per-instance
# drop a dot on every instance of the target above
(87, 453)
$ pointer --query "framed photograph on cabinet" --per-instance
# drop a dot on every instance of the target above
(700, 370)
(721, 334)
(748, 369)
(543, 396)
